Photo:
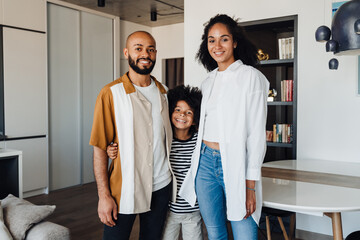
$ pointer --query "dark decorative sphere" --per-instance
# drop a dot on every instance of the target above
(357, 26)
(342, 28)
(331, 46)
(353, 236)
(333, 64)
(322, 34)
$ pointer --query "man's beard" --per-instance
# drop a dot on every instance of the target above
(144, 71)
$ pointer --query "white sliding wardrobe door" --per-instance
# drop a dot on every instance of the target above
(64, 96)
(96, 72)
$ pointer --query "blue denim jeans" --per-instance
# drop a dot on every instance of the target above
(210, 191)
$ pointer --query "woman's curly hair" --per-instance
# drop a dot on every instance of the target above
(192, 96)
(245, 50)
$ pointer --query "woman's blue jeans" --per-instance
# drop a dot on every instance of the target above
(210, 191)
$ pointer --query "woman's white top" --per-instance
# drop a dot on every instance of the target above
(211, 132)
(241, 120)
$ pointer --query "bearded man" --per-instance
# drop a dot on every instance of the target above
(133, 112)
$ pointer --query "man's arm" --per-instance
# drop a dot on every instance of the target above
(107, 208)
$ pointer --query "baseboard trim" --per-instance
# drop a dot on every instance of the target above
(305, 235)
(35, 192)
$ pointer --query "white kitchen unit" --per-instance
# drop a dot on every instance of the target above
(23, 81)
(10, 173)
(24, 14)
(34, 164)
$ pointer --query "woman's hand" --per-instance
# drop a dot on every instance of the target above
(250, 198)
(112, 151)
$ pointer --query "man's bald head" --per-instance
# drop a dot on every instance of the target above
(140, 51)
(139, 35)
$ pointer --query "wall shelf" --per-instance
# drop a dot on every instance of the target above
(279, 103)
(265, 35)
(284, 145)
(277, 62)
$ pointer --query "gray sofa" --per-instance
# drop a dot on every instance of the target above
(20, 219)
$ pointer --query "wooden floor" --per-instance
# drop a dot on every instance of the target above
(76, 209)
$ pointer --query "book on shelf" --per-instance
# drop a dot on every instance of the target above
(287, 88)
(286, 48)
(280, 48)
(292, 50)
(282, 133)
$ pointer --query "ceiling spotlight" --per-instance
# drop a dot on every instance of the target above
(153, 16)
(101, 3)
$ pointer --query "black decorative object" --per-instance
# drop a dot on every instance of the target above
(342, 28)
(331, 46)
(345, 31)
(322, 34)
(357, 26)
(333, 64)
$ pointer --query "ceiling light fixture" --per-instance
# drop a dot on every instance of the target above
(153, 16)
(154, 13)
(173, 6)
(101, 3)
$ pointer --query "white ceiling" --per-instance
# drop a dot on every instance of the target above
(138, 11)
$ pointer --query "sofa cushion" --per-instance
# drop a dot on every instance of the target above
(20, 215)
(4, 232)
(48, 231)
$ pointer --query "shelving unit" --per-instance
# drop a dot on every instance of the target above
(265, 34)
(11, 173)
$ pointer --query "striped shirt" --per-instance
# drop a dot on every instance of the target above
(180, 159)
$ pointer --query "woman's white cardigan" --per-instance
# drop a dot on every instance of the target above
(242, 110)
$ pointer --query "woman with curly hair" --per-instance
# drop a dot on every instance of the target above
(226, 164)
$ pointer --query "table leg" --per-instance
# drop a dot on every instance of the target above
(336, 225)
(292, 226)
(268, 231)
(283, 228)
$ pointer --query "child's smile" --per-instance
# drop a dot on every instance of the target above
(179, 120)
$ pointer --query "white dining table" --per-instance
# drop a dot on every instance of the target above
(315, 187)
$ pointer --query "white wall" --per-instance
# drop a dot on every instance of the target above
(328, 106)
(169, 44)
